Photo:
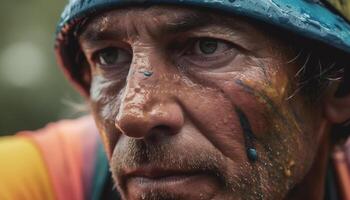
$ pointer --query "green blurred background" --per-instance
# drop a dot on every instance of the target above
(32, 87)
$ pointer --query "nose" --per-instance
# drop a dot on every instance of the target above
(149, 106)
(161, 118)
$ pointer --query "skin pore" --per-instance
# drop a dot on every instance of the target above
(194, 105)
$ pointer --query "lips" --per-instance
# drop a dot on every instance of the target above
(159, 173)
(149, 179)
(158, 176)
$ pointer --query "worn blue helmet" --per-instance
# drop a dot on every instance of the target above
(324, 21)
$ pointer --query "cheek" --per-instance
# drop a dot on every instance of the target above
(230, 93)
(280, 134)
(214, 116)
(104, 103)
(252, 106)
(212, 104)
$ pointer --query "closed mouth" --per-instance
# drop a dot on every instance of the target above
(151, 178)
(158, 174)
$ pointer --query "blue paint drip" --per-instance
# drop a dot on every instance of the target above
(248, 134)
(147, 73)
(252, 154)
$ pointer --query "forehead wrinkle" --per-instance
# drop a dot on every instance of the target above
(189, 21)
(100, 29)
(114, 25)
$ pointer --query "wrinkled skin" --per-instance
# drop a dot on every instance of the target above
(169, 103)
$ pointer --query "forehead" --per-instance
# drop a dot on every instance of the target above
(158, 19)
(153, 14)
(164, 12)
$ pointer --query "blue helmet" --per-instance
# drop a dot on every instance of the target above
(324, 21)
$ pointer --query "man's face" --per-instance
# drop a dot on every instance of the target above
(195, 105)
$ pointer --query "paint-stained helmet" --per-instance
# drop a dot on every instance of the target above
(322, 20)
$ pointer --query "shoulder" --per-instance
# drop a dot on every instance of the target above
(23, 172)
(63, 154)
(69, 149)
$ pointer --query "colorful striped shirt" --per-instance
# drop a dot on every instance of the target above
(64, 161)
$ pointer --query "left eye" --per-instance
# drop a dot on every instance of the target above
(209, 46)
(112, 56)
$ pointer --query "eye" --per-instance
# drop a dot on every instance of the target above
(209, 47)
(112, 56)
(206, 53)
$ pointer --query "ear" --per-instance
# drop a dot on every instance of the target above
(337, 105)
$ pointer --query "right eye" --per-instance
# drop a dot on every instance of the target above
(112, 56)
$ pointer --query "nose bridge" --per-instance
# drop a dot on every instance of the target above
(151, 75)
(148, 102)
(147, 80)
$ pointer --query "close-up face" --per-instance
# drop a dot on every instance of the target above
(192, 104)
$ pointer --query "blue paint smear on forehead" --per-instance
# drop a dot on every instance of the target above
(308, 18)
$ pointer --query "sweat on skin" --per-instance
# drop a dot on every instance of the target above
(179, 96)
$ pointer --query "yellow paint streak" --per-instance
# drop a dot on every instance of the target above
(343, 6)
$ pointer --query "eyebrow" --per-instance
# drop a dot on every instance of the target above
(182, 24)
(187, 22)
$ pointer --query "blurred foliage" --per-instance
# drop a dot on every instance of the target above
(33, 89)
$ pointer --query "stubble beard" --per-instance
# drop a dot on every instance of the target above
(236, 182)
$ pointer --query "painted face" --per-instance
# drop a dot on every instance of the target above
(195, 105)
